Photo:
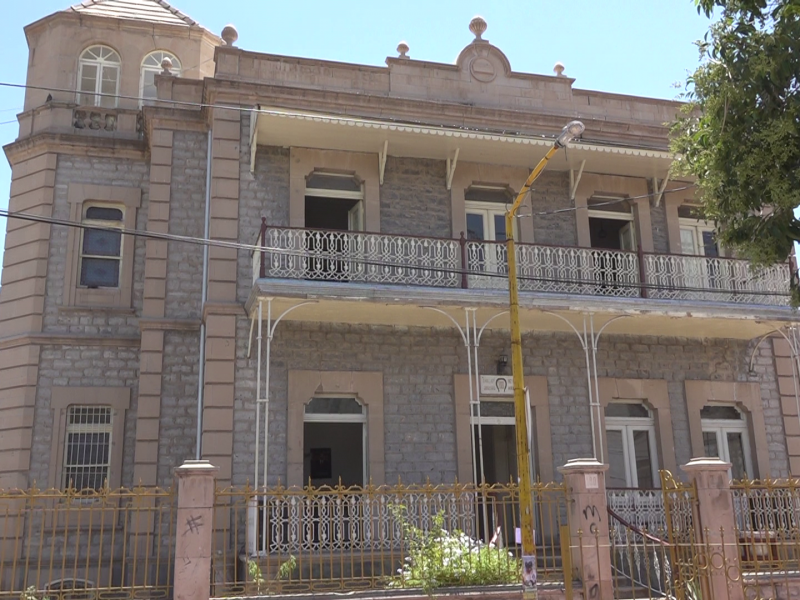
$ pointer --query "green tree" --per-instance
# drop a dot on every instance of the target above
(739, 133)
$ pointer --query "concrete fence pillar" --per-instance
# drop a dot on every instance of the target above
(588, 523)
(715, 528)
(192, 580)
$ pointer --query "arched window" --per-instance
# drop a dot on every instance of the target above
(98, 74)
(151, 66)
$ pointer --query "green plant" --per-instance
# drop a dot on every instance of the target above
(257, 577)
(440, 558)
(30, 594)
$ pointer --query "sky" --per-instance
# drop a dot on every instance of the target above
(637, 47)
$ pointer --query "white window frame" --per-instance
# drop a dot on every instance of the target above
(355, 216)
(488, 210)
(79, 428)
(721, 427)
(345, 418)
(697, 227)
(615, 216)
(102, 64)
(102, 223)
(627, 426)
(156, 69)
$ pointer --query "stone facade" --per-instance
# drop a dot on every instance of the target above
(151, 346)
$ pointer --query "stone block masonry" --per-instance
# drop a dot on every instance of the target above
(414, 198)
(100, 171)
(418, 365)
(551, 192)
(87, 366)
(186, 213)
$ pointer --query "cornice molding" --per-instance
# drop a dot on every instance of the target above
(69, 339)
(157, 324)
(74, 144)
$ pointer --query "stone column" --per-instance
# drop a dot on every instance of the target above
(193, 530)
(716, 529)
(588, 524)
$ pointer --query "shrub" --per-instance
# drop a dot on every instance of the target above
(440, 558)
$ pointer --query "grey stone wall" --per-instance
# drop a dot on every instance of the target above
(81, 366)
(99, 171)
(415, 199)
(178, 426)
(551, 192)
(186, 214)
(418, 366)
(658, 219)
(264, 193)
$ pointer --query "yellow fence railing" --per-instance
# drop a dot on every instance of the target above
(291, 540)
(58, 544)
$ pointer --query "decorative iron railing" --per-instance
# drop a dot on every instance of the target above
(677, 277)
(640, 560)
(74, 544)
(641, 508)
(353, 256)
(345, 538)
(324, 255)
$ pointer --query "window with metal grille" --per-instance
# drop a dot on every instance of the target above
(101, 249)
(87, 452)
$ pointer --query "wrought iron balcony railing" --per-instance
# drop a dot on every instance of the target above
(354, 256)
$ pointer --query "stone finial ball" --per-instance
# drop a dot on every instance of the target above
(402, 49)
(166, 64)
(558, 69)
(229, 35)
(478, 26)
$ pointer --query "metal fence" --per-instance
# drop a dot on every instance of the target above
(76, 545)
(293, 540)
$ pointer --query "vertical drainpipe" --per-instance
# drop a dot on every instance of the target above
(203, 298)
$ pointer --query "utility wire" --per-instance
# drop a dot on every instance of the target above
(355, 260)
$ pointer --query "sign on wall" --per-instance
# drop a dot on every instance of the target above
(497, 385)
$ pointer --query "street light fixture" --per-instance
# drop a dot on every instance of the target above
(569, 133)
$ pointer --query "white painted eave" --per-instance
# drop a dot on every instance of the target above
(280, 127)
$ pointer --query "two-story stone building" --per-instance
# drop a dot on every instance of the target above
(347, 340)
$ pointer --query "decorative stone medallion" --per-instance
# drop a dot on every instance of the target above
(482, 69)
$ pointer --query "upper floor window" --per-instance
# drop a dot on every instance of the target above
(87, 452)
(101, 249)
(151, 66)
(98, 78)
(698, 236)
(630, 434)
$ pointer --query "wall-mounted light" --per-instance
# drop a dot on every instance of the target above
(502, 365)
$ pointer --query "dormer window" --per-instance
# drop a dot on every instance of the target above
(98, 77)
(151, 66)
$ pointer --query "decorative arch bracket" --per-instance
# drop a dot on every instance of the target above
(451, 168)
(382, 161)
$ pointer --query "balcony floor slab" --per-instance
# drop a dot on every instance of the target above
(354, 303)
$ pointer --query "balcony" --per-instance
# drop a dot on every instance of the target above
(381, 259)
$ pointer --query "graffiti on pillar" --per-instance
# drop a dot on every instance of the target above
(592, 515)
(193, 524)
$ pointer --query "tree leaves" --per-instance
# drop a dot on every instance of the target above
(739, 134)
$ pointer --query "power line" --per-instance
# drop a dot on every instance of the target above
(300, 255)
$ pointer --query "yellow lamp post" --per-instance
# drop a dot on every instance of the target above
(570, 132)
